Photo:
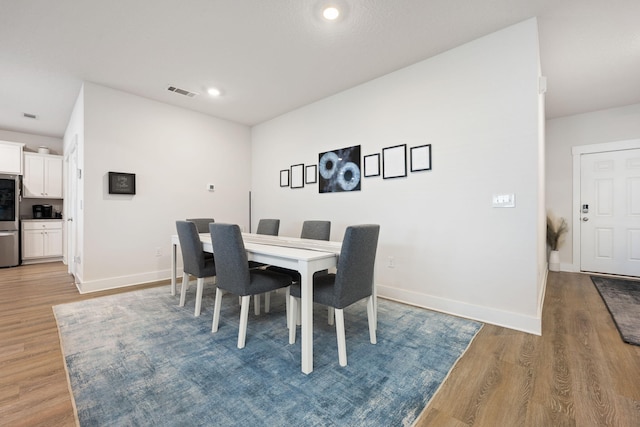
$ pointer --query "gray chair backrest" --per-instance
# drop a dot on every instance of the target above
(202, 224)
(354, 276)
(318, 230)
(191, 248)
(268, 226)
(232, 268)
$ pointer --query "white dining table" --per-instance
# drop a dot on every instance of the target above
(304, 255)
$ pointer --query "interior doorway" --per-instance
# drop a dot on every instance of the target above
(71, 161)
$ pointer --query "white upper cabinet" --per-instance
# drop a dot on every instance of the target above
(11, 157)
(42, 176)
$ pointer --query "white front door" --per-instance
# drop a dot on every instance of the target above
(610, 212)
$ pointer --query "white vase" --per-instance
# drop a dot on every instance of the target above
(554, 261)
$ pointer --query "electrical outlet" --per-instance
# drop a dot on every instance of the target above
(158, 251)
(391, 262)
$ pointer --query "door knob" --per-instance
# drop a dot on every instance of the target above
(585, 219)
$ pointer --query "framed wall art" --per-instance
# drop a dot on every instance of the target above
(122, 183)
(297, 176)
(372, 165)
(421, 158)
(394, 161)
(311, 174)
(284, 178)
(339, 170)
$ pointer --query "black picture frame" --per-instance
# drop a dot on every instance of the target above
(372, 165)
(122, 183)
(311, 174)
(394, 161)
(284, 178)
(297, 176)
(421, 158)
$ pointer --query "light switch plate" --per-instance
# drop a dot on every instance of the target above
(210, 187)
(504, 200)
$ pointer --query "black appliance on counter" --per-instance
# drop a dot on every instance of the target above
(42, 211)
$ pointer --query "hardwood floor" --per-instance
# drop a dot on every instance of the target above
(578, 373)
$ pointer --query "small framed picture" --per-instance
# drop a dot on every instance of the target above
(122, 183)
(394, 161)
(372, 165)
(421, 158)
(311, 174)
(297, 176)
(284, 178)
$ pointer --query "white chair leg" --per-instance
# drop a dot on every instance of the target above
(287, 294)
(267, 302)
(244, 317)
(256, 304)
(342, 343)
(183, 288)
(330, 315)
(287, 307)
(371, 316)
(293, 313)
(216, 310)
(199, 289)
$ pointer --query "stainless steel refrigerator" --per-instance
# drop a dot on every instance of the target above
(9, 220)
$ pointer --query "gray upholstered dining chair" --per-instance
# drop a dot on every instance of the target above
(269, 227)
(202, 225)
(311, 229)
(194, 262)
(234, 275)
(352, 282)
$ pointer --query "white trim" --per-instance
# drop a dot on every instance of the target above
(507, 319)
(122, 281)
(577, 152)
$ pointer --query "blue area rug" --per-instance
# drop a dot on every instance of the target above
(137, 359)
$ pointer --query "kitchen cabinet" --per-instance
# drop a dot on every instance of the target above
(11, 157)
(41, 240)
(42, 176)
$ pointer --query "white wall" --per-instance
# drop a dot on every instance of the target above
(32, 142)
(478, 105)
(611, 125)
(174, 153)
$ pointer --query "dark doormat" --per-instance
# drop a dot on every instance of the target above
(622, 298)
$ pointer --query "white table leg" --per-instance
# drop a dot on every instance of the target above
(174, 250)
(306, 301)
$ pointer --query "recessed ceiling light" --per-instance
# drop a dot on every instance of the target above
(214, 91)
(331, 13)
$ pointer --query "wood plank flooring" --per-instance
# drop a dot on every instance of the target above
(579, 373)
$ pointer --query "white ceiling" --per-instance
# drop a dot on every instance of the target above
(272, 56)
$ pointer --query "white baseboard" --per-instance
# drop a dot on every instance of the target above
(122, 281)
(507, 319)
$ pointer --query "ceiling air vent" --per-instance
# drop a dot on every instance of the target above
(181, 91)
